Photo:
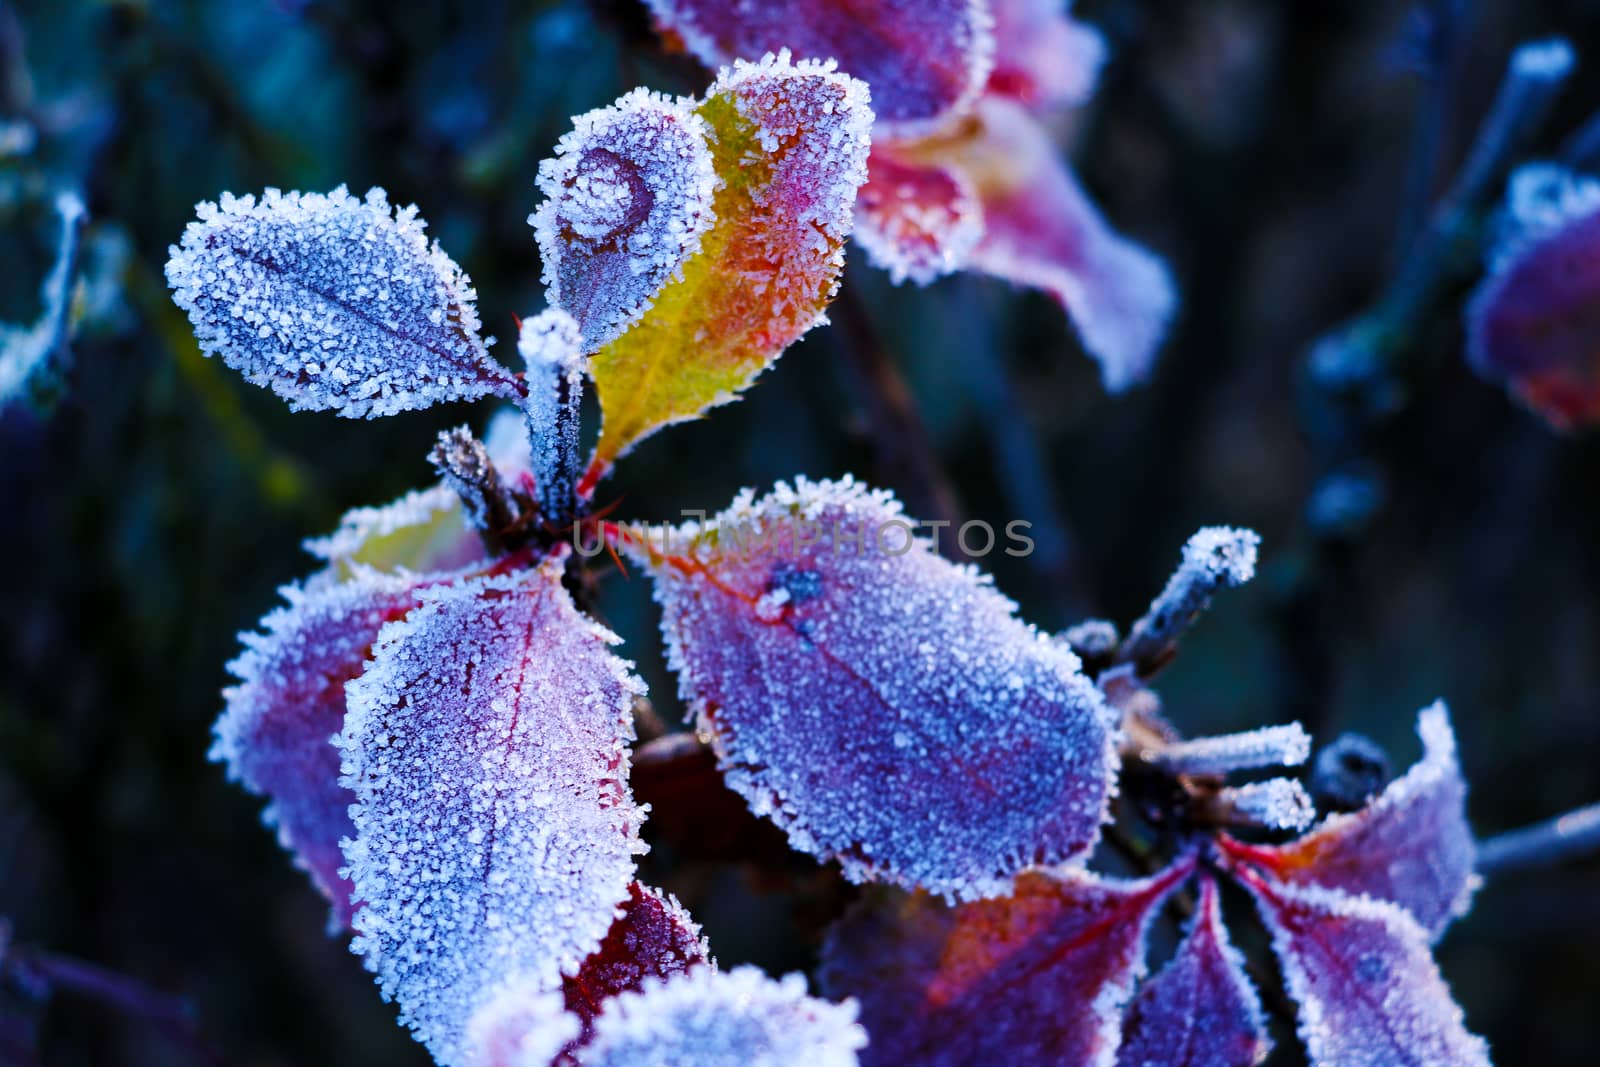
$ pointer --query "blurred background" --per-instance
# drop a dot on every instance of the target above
(1441, 543)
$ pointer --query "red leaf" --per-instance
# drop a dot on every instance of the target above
(881, 704)
(1200, 1010)
(275, 734)
(1038, 977)
(1410, 845)
(653, 938)
(925, 60)
(487, 748)
(1364, 978)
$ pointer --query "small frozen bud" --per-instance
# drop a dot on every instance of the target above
(1349, 772)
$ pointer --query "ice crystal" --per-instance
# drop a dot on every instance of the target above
(1038, 977)
(1269, 746)
(629, 199)
(487, 749)
(917, 223)
(276, 733)
(1043, 56)
(737, 1018)
(1368, 990)
(1533, 321)
(790, 144)
(1200, 1010)
(1411, 845)
(334, 303)
(881, 704)
(926, 60)
(1275, 804)
(1216, 557)
(522, 1025)
(552, 348)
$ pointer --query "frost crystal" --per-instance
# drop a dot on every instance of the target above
(925, 60)
(521, 1026)
(1269, 746)
(1200, 1010)
(1216, 557)
(550, 345)
(916, 222)
(737, 1018)
(654, 938)
(487, 748)
(425, 530)
(276, 733)
(629, 198)
(882, 705)
(1275, 804)
(1411, 845)
(1038, 977)
(333, 303)
(1368, 990)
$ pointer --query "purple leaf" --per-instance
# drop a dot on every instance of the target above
(333, 303)
(925, 60)
(276, 733)
(629, 198)
(1037, 977)
(1043, 56)
(737, 1018)
(1200, 1010)
(1411, 845)
(881, 704)
(1361, 971)
(487, 748)
(915, 221)
(1535, 319)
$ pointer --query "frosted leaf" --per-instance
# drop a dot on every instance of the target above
(34, 359)
(1269, 746)
(1037, 977)
(276, 733)
(882, 705)
(1041, 230)
(925, 60)
(521, 1026)
(1043, 56)
(1200, 1010)
(1215, 558)
(916, 222)
(737, 1018)
(628, 201)
(653, 938)
(334, 303)
(1275, 804)
(789, 144)
(1368, 990)
(487, 748)
(1411, 845)
(424, 530)
(1535, 318)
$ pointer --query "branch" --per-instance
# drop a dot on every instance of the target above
(1216, 557)
(1547, 844)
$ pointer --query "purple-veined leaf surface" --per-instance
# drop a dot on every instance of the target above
(1199, 1010)
(1360, 970)
(925, 60)
(1037, 977)
(487, 749)
(1411, 844)
(334, 303)
(882, 705)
